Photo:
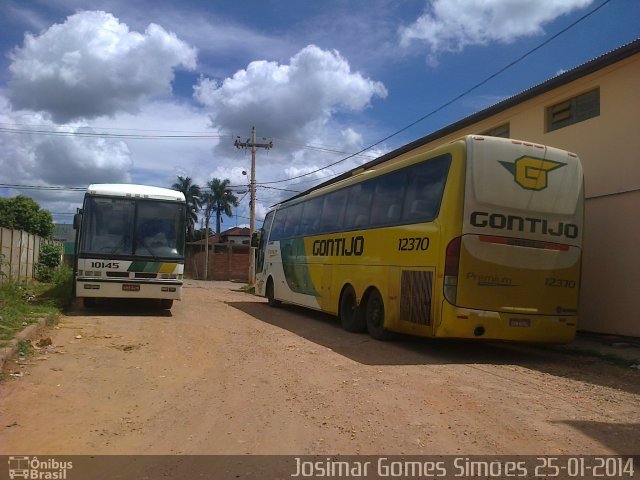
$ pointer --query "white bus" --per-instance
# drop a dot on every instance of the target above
(130, 243)
(480, 238)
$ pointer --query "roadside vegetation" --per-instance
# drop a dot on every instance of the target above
(23, 303)
(26, 302)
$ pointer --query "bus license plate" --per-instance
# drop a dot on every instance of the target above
(519, 322)
(128, 287)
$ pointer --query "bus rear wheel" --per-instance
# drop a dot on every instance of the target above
(270, 293)
(351, 316)
(374, 315)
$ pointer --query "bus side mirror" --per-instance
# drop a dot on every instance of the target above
(255, 239)
(77, 219)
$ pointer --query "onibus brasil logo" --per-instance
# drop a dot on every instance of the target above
(531, 173)
(33, 468)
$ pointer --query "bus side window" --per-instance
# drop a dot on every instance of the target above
(332, 211)
(292, 226)
(277, 231)
(359, 205)
(387, 198)
(425, 189)
(311, 214)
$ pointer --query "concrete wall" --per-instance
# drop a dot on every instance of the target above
(20, 252)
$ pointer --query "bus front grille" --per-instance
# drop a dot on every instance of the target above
(145, 275)
(415, 297)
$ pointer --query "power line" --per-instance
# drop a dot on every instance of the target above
(111, 135)
(321, 148)
(453, 100)
(42, 187)
(97, 127)
(276, 188)
(159, 135)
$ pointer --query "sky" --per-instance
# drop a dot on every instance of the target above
(113, 91)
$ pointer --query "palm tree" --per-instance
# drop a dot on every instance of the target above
(193, 197)
(220, 200)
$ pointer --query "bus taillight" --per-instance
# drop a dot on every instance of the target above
(451, 264)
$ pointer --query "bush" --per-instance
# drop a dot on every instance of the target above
(48, 262)
(62, 291)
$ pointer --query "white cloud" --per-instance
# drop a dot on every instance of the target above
(451, 25)
(286, 100)
(93, 65)
(294, 104)
(158, 161)
(60, 158)
(312, 99)
(351, 139)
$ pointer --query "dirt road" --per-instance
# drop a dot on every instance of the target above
(223, 373)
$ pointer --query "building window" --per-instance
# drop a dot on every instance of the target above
(499, 131)
(574, 110)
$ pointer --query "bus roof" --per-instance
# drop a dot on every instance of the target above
(135, 191)
(381, 163)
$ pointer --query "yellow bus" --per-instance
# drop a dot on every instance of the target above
(480, 238)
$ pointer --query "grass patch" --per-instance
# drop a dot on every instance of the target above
(24, 303)
(247, 289)
(24, 347)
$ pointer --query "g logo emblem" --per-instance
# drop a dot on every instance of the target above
(530, 172)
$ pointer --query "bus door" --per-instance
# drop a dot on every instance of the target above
(521, 239)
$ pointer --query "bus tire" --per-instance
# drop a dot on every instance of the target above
(166, 303)
(374, 315)
(270, 294)
(351, 316)
(89, 302)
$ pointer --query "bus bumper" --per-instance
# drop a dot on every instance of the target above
(108, 289)
(459, 322)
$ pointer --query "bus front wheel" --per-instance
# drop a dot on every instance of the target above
(351, 316)
(270, 293)
(374, 314)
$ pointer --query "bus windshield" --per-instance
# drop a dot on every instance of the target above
(127, 227)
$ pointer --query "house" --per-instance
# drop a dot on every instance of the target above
(592, 110)
(236, 235)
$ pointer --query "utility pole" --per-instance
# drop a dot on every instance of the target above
(252, 190)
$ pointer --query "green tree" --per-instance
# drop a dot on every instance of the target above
(220, 200)
(24, 213)
(193, 198)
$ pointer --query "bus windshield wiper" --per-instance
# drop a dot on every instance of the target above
(120, 244)
(154, 255)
